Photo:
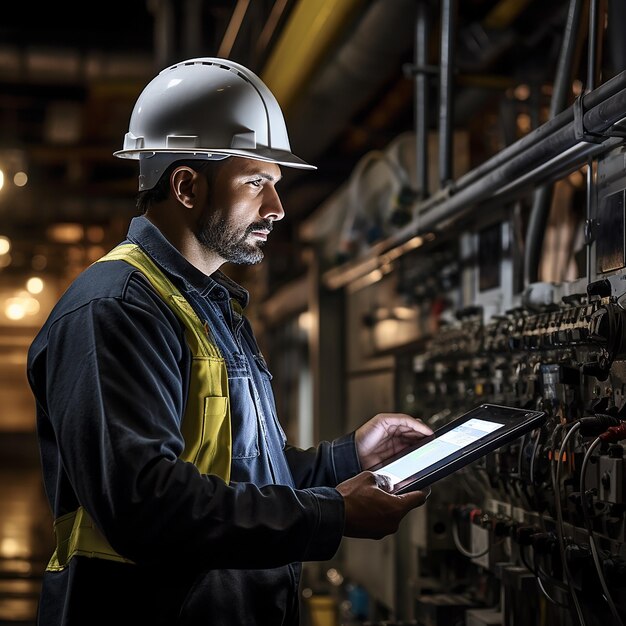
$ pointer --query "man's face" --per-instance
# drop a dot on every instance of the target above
(242, 205)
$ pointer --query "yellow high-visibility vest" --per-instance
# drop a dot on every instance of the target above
(205, 426)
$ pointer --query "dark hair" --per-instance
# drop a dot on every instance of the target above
(160, 192)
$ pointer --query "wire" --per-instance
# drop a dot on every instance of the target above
(592, 540)
(520, 458)
(549, 597)
(545, 576)
(464, 551)
(540, 579)
(533, 461)
(559, 514)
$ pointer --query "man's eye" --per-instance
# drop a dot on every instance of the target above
(256, 183)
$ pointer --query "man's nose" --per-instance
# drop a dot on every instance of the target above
(272, 207)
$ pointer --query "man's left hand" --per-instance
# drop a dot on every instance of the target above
(387, 434)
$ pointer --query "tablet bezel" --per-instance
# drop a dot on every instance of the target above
(517, 422)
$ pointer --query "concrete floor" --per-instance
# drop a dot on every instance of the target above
(26, 536)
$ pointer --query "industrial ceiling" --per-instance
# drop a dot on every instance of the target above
(342, 69)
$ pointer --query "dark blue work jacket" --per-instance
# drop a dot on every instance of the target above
(110, 372)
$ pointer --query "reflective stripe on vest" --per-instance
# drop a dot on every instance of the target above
(205, 425)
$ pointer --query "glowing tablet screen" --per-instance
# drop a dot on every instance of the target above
(438, 449)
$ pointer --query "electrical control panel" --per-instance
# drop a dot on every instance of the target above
(534, 532)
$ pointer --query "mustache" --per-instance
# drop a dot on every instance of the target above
(260, 225)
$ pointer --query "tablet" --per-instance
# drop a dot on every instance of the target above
(458, 443)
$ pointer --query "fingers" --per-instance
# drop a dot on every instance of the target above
(384, 482)
(420, 427)
(425, 428)
(416, 498)
(402, 420)
(371, 511)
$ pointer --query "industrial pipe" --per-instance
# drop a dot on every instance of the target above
(562, 143)
(542, 197)
(448, 9)
(421, 70)
(590, 100)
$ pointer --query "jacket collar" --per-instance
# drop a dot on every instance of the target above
(145, 234)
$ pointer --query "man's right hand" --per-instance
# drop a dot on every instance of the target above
(371, 512)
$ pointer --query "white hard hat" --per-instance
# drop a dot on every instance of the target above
(205, 108)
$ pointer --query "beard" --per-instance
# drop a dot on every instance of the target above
(219, 235)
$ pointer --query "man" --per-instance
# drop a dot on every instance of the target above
(177, 499)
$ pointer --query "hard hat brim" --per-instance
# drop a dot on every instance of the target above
(270, 155)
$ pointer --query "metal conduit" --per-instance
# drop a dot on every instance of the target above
(562, 148)
(448, 10)
(422, 26)
(591, 81)
(543, 195)
(590, 100)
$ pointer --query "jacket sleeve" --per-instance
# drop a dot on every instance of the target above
(115, 393)
(329, 464)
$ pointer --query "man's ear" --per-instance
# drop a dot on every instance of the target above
(183, 180)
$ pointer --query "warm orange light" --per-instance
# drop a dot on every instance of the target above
(20, 179)
(65, 233)
(34, 284)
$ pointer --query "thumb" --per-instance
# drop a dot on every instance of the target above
(415, 498)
